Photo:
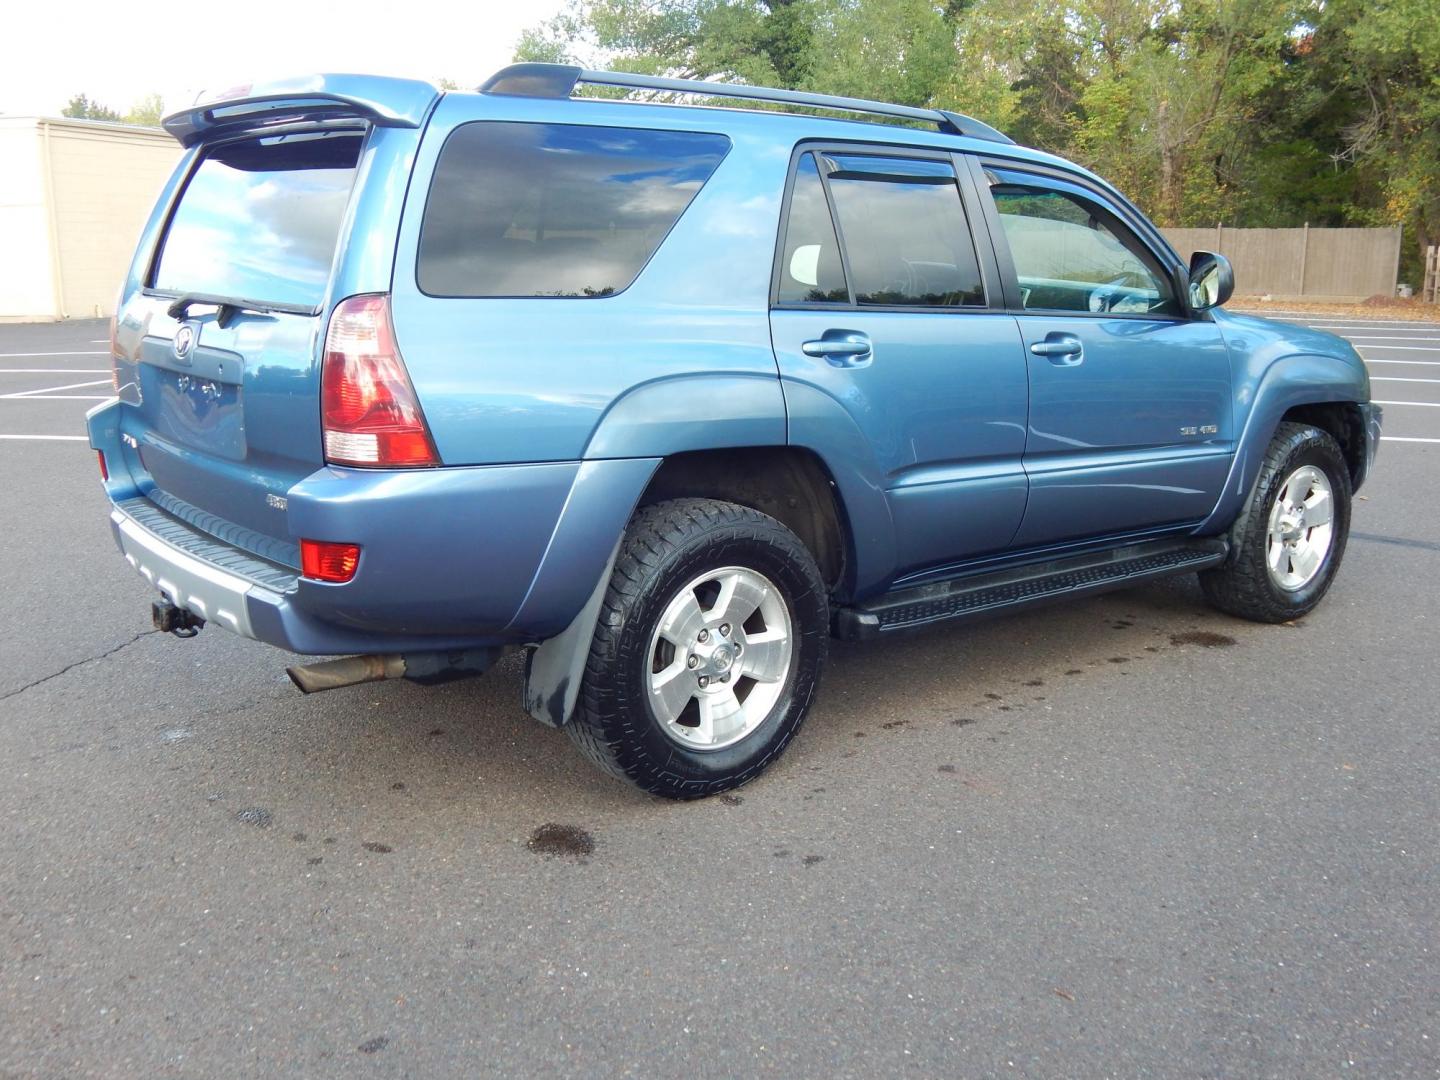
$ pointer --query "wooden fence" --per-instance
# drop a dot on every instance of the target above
(1323, 264)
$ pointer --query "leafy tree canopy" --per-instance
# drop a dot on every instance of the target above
(1254, 112)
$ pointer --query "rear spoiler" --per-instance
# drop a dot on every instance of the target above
(376, 99)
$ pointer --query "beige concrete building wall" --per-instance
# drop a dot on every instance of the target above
(27, 275)
(74, 196)
(105, 179)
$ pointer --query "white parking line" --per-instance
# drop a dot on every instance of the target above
(54, 371)
(1387, 337)
(21, 355)
(1421, 328)
(1343, 320)
(1424, 404)
(1412, 363)
(50, 438)
(1404, 438)
(23, 394)
(58, 397)
(1404, 348)
(1393, 378)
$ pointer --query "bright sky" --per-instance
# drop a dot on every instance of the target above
(117, 53)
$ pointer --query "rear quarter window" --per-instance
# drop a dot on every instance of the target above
(519, 209)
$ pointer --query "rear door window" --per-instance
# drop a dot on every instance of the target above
(259, 219)
(518, 209)
(810, 267)
(903, 226)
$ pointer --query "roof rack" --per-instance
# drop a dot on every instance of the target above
(560, 80)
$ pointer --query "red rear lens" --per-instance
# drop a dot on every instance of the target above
(325, 561)
(369, 409)
(104, 469)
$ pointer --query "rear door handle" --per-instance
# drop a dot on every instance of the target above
(843, 348)
(1063, 350)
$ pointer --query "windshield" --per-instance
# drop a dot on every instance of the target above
(259, 219)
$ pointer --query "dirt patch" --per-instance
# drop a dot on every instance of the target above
(1377, 307)
(561, 841)
(1205, 638)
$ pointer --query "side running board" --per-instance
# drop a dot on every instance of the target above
(1003, 591)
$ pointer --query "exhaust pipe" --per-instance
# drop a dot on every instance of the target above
(424, 667)
(349, 671)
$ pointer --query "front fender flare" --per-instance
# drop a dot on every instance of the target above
(1298, 379)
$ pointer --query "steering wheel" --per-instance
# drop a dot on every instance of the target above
(1103, 297)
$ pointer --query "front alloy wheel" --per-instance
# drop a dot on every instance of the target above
(1287, 542)
(1301, 528)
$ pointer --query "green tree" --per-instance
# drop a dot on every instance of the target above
(1381, 63)
(82, 108)
(147, 112)
(1258, 112)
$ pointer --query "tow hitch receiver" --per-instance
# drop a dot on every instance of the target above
(174, 620)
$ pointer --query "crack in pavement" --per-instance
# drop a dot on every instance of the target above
(78, 663)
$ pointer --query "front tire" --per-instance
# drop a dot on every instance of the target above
(1287, 543)
(708, 650)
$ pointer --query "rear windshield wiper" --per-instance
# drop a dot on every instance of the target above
(230, 306)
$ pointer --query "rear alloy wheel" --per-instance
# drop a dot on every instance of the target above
(720, 657)
(708, 650)
(1287, 543)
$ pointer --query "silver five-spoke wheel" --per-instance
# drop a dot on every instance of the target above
(1300, 529)
(719, 658)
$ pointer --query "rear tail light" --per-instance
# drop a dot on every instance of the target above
(326, 561)
(104, 469)
(368, 406)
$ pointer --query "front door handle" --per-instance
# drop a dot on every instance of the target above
(843, 348)
(1063, 350)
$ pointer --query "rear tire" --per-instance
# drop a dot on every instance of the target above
(708, 650)
(1287, 543)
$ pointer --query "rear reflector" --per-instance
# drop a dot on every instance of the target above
(104, 469)
(326, 561)
(368, 406)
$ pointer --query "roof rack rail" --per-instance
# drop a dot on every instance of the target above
(560, 80)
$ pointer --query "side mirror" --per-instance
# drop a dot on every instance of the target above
(1211, 280)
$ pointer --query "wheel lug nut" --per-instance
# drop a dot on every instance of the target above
(704, 636)
(725, 629)
(693, 662)
(739, 648)
(704, 681)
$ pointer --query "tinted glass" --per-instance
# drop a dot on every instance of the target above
(555, 209)
(810, 267)
(259, 219)
(905, 231)
(1072, 255)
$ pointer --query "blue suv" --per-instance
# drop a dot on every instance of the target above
(669, 395)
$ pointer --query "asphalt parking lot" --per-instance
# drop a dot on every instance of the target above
(1126, 837)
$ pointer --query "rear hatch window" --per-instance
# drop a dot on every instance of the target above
(235, 417)
(259, 219)
(555, 209)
